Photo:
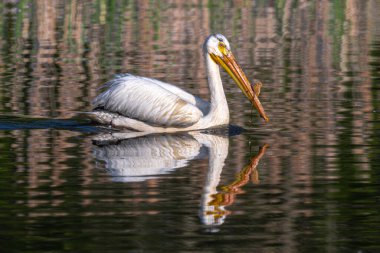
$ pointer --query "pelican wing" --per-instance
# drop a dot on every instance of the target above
(145, 100)
(204, 106)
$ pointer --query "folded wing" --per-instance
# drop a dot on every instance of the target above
(142, 99)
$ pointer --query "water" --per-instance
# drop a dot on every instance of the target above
(308, 181)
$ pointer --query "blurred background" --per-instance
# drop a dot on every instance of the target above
(319, 62)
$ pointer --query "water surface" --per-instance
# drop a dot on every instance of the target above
(307, 181)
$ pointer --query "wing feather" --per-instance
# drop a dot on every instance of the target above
(204, 106)
(144, 100)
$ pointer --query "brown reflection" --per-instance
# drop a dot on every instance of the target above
(42, 94)
(248, 171)
(213, 211)
(72, 71)
(46, 160)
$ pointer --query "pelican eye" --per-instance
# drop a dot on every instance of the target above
(223, 48)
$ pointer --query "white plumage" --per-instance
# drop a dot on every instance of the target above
(126, 95)
(149, 105)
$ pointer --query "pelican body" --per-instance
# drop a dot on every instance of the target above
(149, 105)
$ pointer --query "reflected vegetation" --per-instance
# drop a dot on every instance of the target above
(319, 62)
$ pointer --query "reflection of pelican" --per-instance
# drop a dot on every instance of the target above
(137, 157)
(213, 205)
(149, 105)
(140, 158)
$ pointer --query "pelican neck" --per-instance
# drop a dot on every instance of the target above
(218, 103)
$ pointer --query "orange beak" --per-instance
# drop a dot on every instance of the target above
(229, 64)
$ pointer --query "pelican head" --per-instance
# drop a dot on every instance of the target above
(218, 47)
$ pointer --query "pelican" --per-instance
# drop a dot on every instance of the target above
(149, 105)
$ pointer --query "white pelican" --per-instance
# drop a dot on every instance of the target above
(149, 105)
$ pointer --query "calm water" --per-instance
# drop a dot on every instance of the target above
(308, 181)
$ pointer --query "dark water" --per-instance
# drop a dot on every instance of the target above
(308, 181)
